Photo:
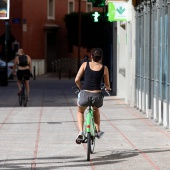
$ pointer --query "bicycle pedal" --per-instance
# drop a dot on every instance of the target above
(84, 141)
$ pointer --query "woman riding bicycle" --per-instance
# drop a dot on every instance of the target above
(24, 68)
(93, 73)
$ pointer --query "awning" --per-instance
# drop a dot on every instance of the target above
(51, 27)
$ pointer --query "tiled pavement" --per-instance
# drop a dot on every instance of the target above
(42, 135)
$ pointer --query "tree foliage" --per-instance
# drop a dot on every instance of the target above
(92, 33)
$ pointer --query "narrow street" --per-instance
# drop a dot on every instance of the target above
(42, 135)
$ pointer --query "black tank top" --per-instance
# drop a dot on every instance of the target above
(92, 79)
(23, 60)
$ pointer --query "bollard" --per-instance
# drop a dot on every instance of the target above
(55, 66)
(52, 66)
(69, 74)
(59, 73)
(34, 72)
(59, 68)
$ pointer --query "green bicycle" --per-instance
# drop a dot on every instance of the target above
(90, 132)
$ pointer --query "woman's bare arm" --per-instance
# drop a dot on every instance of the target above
(30, 64)
(106, 78)
(79, 75)
(15, 64)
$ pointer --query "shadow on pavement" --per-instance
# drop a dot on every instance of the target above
(44, 92)
(74, 161)
(50, 123)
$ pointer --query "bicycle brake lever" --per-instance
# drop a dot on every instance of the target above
(77, 91)
(107, 91)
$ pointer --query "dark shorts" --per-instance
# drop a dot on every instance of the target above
(83, 99)
(23, 73)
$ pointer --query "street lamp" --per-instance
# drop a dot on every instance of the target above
(79, 34)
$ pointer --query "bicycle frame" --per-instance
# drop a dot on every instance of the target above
(89, 131)
(90, 125)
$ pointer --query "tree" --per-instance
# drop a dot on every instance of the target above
(92, 33)
(98, 3)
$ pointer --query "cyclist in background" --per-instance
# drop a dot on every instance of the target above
(24, 68)
(93, 73)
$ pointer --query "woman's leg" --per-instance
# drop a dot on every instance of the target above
(97, 118)
(19, 78)
(27, 87)
(80, 117)
(19, 85)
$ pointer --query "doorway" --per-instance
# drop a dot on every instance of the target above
(51, 45)
(51, 50)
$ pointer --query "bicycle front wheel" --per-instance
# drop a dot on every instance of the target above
(88, 146)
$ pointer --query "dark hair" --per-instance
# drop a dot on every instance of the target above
(86, 58)
(97, 54)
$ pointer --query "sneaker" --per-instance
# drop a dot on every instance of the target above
(99, 134)
(80, 138)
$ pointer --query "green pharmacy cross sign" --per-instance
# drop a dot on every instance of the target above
(120, 10)
(117, 11)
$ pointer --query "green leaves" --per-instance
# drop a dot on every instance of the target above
(98, 3)
(92, 33)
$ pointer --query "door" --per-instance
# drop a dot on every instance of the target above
(51, 50)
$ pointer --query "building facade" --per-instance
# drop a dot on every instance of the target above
(152, 59)
(39, 28)
(143, 62)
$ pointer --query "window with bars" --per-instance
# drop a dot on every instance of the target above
(51, 9)
(71, 6)
(88, 7)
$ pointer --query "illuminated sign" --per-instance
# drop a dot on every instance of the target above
(96, 15)
(117, 11)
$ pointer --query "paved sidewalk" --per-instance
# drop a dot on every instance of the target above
(42, 135)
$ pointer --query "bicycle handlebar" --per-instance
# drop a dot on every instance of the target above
(77, 91)
(106, 90)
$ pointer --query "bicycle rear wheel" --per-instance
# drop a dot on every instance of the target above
(88, 146)
(24, 99)
(25, 102)
(92, 144)
(93, 140)
(23, 96)
(20, 99)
